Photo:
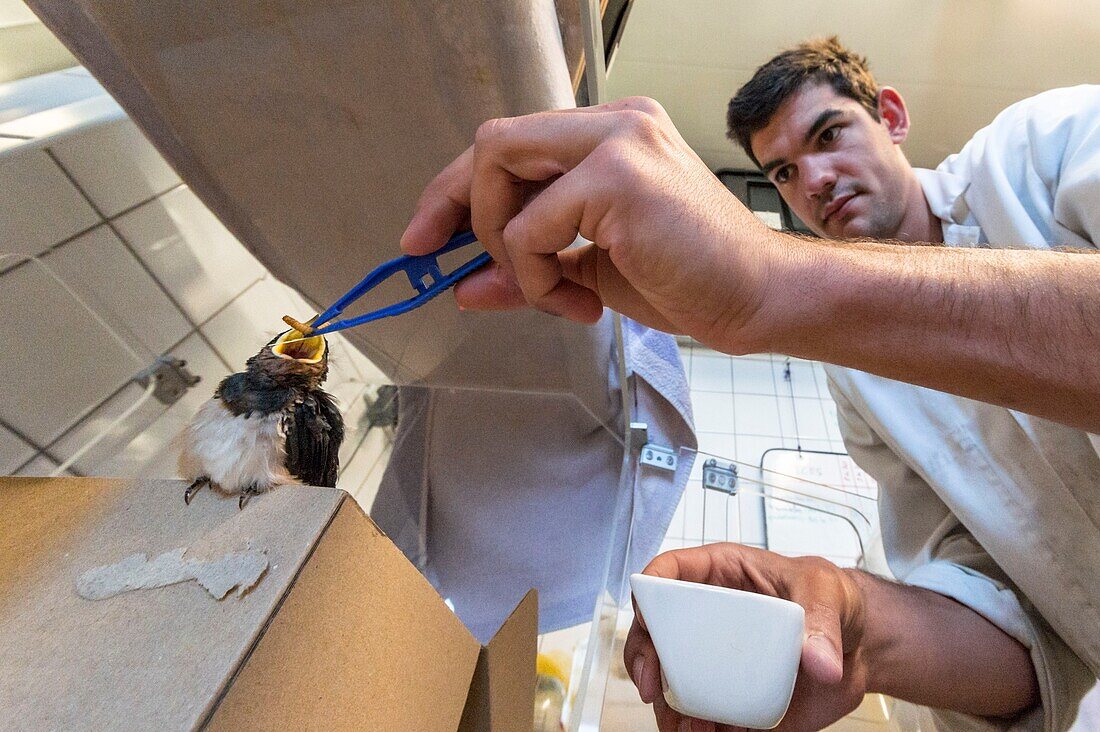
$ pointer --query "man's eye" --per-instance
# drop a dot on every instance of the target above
(782, 175)
(830, 134)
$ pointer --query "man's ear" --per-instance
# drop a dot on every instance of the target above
(894, 115)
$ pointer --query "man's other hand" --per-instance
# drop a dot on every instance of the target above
(831, 679)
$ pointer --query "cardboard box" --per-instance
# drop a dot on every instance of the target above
(339, 631)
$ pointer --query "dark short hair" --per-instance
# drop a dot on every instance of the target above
(818, 61)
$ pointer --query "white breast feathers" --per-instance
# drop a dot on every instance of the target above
(235, 452)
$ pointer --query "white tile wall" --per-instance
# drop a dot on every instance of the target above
(720, 517)
(251, 320)
(755, 376)
(758, 414)
(693, 512)
(66, 382)
(189, 251)
(151, 452)
(40, 466)
(30, 185)
(810, 418)
(113, 281)
(788, 426)
(69, 119)
(13, 451)
(142, 445)
(717, 444)
(807, 443)
(711, 373)
(362, 474)
(745, 406)
(115, 166)
(714, 411)
(39, 93)
(101, 420)
(352, 399)
(58, 369)
(751, 448)
(802, 381)
(832, 426)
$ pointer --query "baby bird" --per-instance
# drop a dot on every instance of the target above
(267, 426)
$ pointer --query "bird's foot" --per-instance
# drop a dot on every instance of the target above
(247, 493)
(194, 488)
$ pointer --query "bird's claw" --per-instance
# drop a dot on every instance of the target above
(246, 495)
(194, 488)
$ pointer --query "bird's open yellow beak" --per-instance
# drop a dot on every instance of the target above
(295, 346)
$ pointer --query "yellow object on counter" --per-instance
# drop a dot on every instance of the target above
(555, 664)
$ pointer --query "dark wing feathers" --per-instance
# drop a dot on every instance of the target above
(314, 430)
(232, 387)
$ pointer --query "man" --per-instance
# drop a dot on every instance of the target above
(994, 509)
(672, 248)
(973, 496)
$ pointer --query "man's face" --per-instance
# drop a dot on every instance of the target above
(834, 165)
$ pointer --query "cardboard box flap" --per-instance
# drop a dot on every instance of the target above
(503, 688)
(335, 629)
(362, 641)
(161, 655)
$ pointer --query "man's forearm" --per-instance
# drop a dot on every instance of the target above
(1014, 328)
(928, 649)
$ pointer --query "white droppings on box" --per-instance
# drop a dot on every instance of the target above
(137, 572)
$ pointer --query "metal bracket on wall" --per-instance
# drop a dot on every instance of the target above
(720, 476)
(382, 411)
(657, 456)
(171, 379)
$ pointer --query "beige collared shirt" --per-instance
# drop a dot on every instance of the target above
(997, 509)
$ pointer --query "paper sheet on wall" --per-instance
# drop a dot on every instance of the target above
(820, 504)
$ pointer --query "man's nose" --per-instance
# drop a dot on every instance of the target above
(819, 179)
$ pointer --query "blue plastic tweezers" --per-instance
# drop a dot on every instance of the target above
(424, 276)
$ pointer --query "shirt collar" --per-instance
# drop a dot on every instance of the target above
(944, 192)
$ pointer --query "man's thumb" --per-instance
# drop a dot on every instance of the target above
(821, 658)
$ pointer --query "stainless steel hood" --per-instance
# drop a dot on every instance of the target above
(310, 129)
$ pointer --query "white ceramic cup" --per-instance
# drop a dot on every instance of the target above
(727, 656)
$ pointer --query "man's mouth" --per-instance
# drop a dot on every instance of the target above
(835, 206)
